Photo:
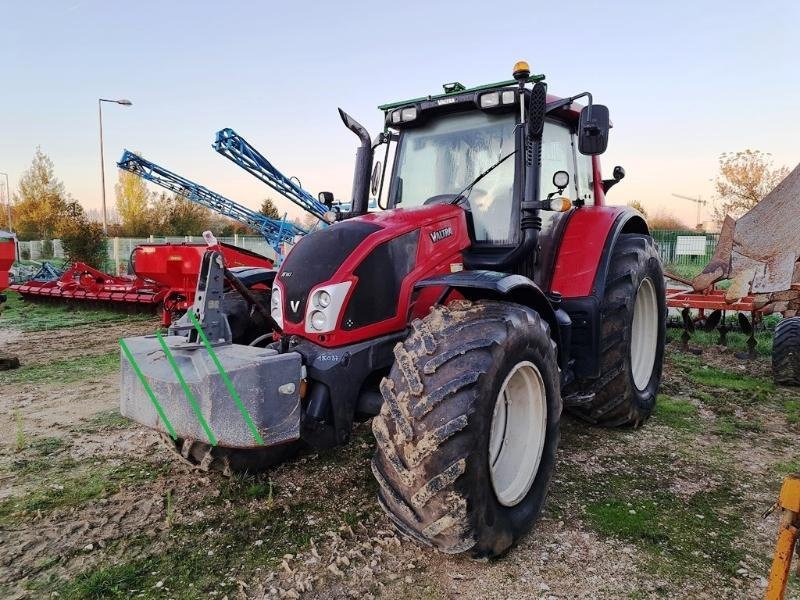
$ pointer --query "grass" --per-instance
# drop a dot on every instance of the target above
(106, 420)
(789, 466)
(64, 371)
(679, 530)
(74, 484)
(737, 341)
(205, 554)
(676, 413)
(33, 316)
(791, 407)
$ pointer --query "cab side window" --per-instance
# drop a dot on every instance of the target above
(557, 155)
(585, 176)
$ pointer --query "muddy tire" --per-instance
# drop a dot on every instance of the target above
(228, 460)
(786, 352)
(632, 337)
(452, 379)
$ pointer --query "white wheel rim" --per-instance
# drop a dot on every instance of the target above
(516, 438)
(644, 334)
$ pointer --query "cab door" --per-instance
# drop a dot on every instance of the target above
(559, 153)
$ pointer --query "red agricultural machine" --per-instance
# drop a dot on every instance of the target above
(495, 289)
(8, 253)
(164, 277)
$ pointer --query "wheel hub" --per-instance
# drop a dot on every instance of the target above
(517, 433)
(644, 334)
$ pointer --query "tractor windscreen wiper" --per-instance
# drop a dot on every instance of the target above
(468, 189)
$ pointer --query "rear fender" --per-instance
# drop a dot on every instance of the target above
(584, 253)
(492, 285)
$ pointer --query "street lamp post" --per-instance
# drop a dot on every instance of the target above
(8, 200)
(100, 101)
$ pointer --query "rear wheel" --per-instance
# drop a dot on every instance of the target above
(229, 460)
(468, 431)
(786, 352)
(632, 336)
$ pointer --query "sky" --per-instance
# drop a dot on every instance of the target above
(684, 81)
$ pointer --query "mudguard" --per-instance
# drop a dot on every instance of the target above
(475, 285)
(585, 250)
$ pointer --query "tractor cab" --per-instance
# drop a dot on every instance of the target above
(476, 147)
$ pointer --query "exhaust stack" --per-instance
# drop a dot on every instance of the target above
(361, 176)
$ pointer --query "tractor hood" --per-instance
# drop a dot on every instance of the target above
(353, 280)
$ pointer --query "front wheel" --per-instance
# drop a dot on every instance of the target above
(468, 432)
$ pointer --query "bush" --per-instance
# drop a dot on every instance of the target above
(25, 254)
(84, 242)
(47, 248)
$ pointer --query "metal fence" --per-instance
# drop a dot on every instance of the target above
(685, 247)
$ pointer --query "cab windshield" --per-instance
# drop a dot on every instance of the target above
(444, 156)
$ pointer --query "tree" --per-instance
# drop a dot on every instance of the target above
(637, 205)
(174, 215)
(268, 209)
(133, 204)
(42, 203)
(743, 181)
(84, 241)
(666, 221)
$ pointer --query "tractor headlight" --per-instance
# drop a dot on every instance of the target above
(323, 299)
(275, 306)
(324, 306)
(318, 320)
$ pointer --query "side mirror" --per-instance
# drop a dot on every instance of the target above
(376, 178)
(326, 198)
(593, 129)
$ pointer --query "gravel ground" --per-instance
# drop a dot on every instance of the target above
(92, 506)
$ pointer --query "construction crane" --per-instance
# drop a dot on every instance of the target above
(698, 201)
(274, 231)
(238, 150)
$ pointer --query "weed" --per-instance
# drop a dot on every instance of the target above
(20, 442)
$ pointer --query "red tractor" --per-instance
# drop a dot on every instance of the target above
(495, 289)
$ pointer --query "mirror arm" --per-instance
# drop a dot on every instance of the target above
(567, 101)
